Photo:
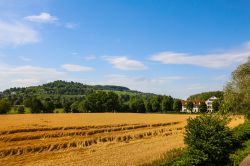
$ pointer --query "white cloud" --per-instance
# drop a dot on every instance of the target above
(123, 63)
(16, 76)
(24, 58)
(214, 60)
(159, 85)
(42, 18)
(16, 33)
(74, 53)
(221, 78)
(76, 68)
(71, 25)
(89, 57)
(25, 82)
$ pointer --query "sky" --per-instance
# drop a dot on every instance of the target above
(168, 47)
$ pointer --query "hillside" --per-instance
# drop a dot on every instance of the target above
(63, 88)
(206, 95)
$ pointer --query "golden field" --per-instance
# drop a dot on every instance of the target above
(90, 139)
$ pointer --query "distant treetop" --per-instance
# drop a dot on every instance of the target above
(206, 95)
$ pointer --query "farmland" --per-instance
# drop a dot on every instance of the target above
(90, 139)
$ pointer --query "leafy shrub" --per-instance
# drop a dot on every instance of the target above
(240, 154)
(20, 109)
(4, 106)
(209, 141)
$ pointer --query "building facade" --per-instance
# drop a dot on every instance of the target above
(197, 103)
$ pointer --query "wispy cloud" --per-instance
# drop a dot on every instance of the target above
(17, 33)
(42, 18)
(17, 76)
(25, 82)
(71, 25)
(213, 60)
(142, 83)
(24, 58)
(76, 68)
(221, 78)
(123, 63)
(89, 57)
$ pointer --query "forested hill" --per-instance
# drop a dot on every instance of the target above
(205, 95)
(64, 88)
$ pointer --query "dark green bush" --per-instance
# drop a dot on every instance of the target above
(240, 154)
(209, 140)
(20, 109)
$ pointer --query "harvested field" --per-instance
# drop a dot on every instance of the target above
(90, 139)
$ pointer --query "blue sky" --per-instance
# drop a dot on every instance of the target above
(173, 47)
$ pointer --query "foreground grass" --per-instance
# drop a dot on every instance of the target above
(168, 157)
(240, 154)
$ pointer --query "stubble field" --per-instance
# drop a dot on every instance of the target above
(90, 139)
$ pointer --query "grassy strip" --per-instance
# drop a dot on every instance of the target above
(168, 158)
(240, 154)
(13, 110)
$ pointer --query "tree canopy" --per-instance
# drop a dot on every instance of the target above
(237, 91)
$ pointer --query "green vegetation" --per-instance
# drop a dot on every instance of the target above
(177, 106)
(206, 95)
(237, 91)
(190, 105)
(209, 141)
(72, 97)
(4, 106)
(203, 107)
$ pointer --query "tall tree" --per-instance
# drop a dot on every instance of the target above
(136, 104)
(203, 107)
(190, 105)
(155, 103)
(167, 104)
(237, 91)
(4, 106)
(177, 106)
(36, 106)
(216, 105)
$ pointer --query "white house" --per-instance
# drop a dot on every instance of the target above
(197, 103)
(209, 103)
(195, 108)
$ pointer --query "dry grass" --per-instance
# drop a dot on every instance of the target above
(90, 139)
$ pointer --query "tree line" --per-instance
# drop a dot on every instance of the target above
(97, 101)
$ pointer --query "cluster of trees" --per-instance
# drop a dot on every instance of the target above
(97, 101)
(206, 95)
(237, 91)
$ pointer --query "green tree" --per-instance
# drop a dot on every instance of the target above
(28, 102)
(190, 105)
(4, 106)
(48, 106)
(211, 138)
(112, 103)
(36, 106)
(155, 103)
(21, 109)
(216, 105)
(81, 106)
(177, 106)
(148, 105)
(167, 103)
(237, 91)
(203, 107)
(66, 106)
(74, 107)
(136, 104)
